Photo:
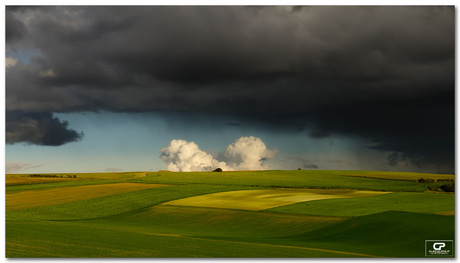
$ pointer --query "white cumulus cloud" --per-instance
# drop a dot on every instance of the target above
(181, 155)
(246, 153)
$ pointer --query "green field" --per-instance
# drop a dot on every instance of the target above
(253, 214)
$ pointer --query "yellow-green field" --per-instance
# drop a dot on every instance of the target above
(264, 199)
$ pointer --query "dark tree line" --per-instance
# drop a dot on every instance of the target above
(52, 176)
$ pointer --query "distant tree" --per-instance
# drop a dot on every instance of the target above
(299, 169)
(218, 170)
(448, 187)
(421, 180)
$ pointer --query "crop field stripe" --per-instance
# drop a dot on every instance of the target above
(61, 195)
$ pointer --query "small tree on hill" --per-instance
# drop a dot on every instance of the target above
(448, 187)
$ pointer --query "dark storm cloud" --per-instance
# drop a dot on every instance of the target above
(233, 124)
(14, 28)
(381, 73)
(419, 130)
(38, 128)
(393, 159)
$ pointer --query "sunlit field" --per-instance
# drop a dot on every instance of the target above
(264, 199)
(255, 214)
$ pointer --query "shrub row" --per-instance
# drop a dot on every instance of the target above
(422, 180)
(52, 175)
(445, 187)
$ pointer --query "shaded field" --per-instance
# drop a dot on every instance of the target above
(408, 202)
(52, 196)
(392, 233)
(268, 198)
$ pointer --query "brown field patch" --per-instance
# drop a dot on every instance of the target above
(255, 200)
(61, 195)
(448, 213)
(9, 180)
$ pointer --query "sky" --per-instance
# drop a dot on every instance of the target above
(148, 88)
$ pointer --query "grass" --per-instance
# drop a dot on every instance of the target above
(408, 202)
(123, 215)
